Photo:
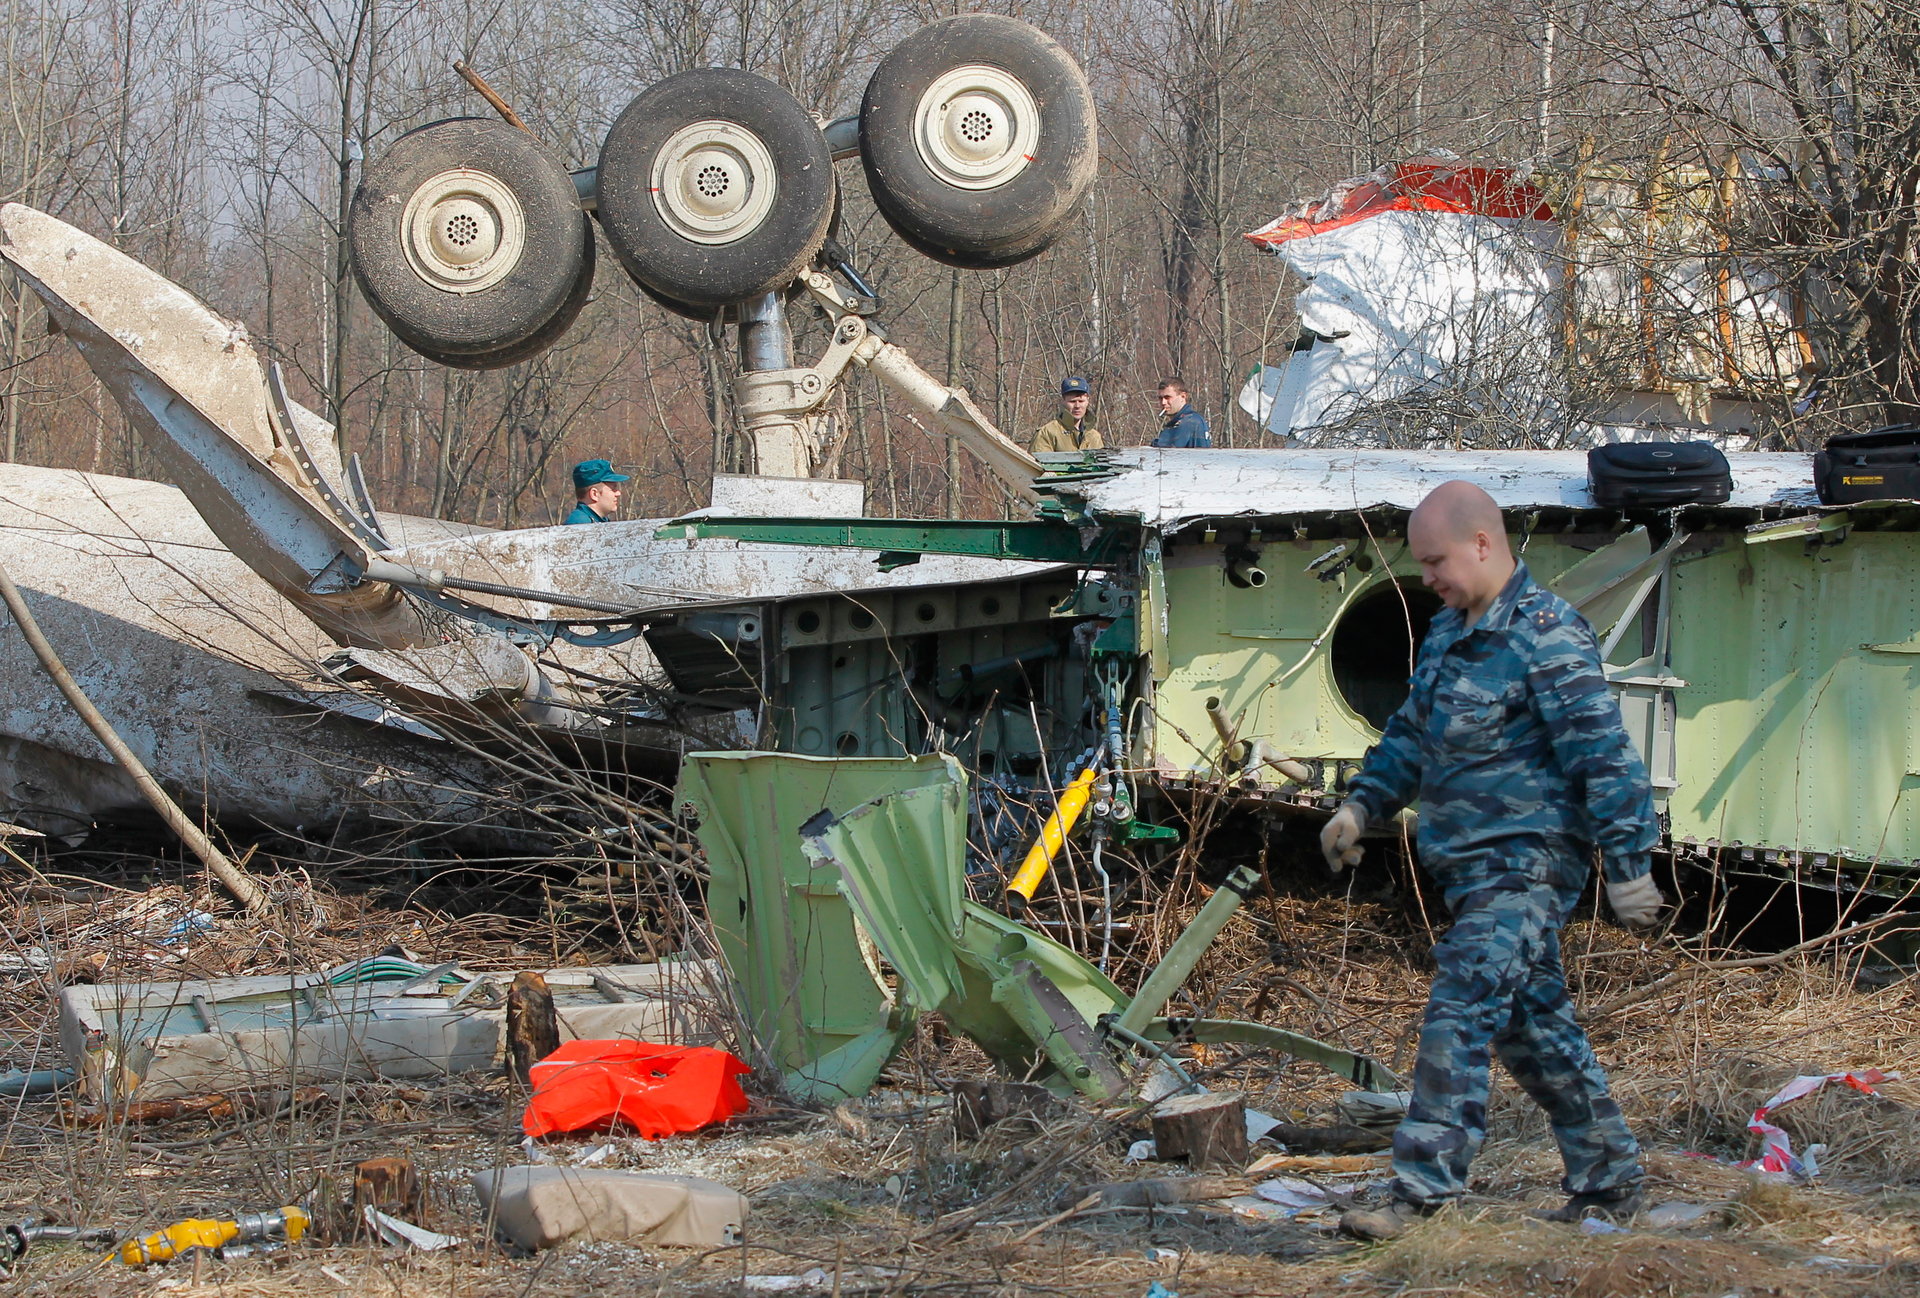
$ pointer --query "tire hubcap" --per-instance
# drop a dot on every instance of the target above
(463, 231)
(977, 127)
(713, 182)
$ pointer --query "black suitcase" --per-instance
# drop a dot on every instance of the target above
(1881, 465)
(1658, 475)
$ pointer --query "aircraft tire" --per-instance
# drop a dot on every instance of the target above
(979, 137)
(467, 238)
(715, 187)
(531, 346)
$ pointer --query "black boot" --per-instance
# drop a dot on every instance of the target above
(1620, 1206)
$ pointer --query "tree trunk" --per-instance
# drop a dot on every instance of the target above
(954, 306)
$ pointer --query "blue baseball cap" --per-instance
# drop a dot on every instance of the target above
(588, 472)
(1074, 385)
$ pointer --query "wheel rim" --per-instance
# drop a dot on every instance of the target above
(977, 127)
(463, 231)
(713, 182)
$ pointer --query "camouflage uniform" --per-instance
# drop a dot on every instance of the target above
(1514, 746)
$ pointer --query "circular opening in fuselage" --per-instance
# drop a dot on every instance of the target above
(1373, 648)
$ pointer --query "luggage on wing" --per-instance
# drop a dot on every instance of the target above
(1880, 465)
(1658, 475)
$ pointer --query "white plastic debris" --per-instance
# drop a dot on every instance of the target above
(1162, 1080)
(813, 1278)
(1670, 1215)
(395, 1231)
(1292, 1192)
(1600, 1226)
(1141, 1151)
(194, 921)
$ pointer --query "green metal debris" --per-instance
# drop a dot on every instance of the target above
(1028, 1001)
(812, 993)
(1035, 1006)
(901, 538)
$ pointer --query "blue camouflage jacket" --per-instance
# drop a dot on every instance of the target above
(1185, 427)
(1514, 746)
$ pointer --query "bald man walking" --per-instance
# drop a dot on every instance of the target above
(1514, 746)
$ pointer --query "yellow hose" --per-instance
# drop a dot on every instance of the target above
(1073, 801)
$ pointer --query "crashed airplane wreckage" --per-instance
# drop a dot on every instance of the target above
(1167, 627)
(256, 467)
(235, 629)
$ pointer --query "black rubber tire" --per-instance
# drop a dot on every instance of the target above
(999, 260)
(979, 228)
(531, 346)
(706, 277)
(558, 247)
(729, 314)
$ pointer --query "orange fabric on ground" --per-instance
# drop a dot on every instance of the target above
(657, 1090)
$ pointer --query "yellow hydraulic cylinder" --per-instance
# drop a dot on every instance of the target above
(1073, 801)
(201, 1232)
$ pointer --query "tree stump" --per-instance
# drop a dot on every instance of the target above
(1207, 1130)
(533, 1026)
(389, 1185)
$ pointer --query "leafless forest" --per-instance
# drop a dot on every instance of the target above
(220, 144)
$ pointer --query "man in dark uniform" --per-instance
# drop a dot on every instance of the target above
(1181, 425)
(597, 491)
(1514, 746)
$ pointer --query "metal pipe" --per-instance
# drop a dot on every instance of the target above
(433, 579)
(1187, 949)
(40, 1081)
(843, 137)
(766, 343)
(968, 673)
(235, 879)
(779, 438)
(1106, 895)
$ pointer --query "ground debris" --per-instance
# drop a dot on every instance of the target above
(896, 1196)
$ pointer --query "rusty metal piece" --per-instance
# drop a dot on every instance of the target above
(492, 97)
(243, 1104)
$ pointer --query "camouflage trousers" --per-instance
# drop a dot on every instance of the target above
(1500, 988)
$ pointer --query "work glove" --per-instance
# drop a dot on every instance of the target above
(1636, 903)
(1340, 840)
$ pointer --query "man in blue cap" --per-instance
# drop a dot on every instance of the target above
(1073, 430)
(596, 487)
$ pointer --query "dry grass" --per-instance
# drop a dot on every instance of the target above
(1477, 1253)
(883, 1186)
